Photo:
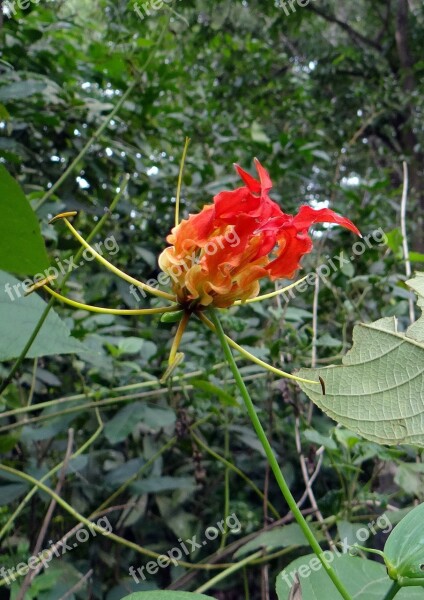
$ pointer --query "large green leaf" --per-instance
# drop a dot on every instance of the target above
(167, 596)
(21, 245)
(364, 579)
(378, 392)
(18, 317)
(404, 548)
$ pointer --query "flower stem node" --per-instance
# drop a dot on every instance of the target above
(172, 317)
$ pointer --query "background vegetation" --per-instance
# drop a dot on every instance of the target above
(330, 99)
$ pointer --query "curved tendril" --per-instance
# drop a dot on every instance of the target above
(180, 181)
(109, 311)
(253, 358)
(114, 269)
(271, 294)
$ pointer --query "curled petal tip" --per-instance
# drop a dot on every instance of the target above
(64, 215)
(39, 284)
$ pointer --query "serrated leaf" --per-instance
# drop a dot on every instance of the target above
(378, 392)
(404, 548)
(18, 318)
(21, 245)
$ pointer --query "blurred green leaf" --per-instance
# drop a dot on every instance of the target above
(21, 245)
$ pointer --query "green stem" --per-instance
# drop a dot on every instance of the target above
(227, 572)
(394, 589)
(273, 463)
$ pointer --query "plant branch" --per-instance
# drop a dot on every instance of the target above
(273, 461)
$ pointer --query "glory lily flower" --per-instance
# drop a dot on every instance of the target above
(217, 257)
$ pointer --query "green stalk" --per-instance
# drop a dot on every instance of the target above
(229, 571)
(394, 589)
(273, 463)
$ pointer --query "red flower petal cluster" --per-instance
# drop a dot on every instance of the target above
(218, 255)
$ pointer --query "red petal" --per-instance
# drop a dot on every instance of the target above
(253, 185)
(193, 231)
(230, 205)
(266, 183)
(307, 216)
(293, 247)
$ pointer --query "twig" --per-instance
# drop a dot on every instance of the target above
(312, 478)
(314, 339)
(309, 489)
(408, 269)
(33, 382)
(77, 586)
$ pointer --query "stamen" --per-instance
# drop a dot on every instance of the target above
(271, 294)
(71, 213)
(109, 311)
(114, 269)
(253, 358)
(180, 181)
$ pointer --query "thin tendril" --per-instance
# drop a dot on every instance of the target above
(109, 311)
(114, 269)
(271, 294)
(253, 358)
